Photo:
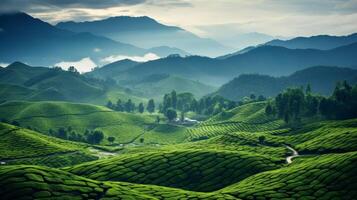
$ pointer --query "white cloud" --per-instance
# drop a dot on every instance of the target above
(97, 50)
(4, 64)
(146, 57)
(83, 65)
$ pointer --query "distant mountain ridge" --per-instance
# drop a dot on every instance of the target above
(321, 78)
(147, 33)
(269, 60)
(322, 42)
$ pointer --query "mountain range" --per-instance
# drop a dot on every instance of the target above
(322, 79)
(268, 60)
(323, 42)
(146, 32)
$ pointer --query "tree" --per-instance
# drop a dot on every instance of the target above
(72, 69)
(171, 114)
(158, 119)
(119, 106)
(111, 139)
(62, 133)
(261, 139)
(110, 104)
(308, 89)
(95, 137)
(261, 98)
(182, 116)
(174, 99)
(269, 109)
(141, 140)
(252, 96)
(129, 106)
(151, 106)
(141, 108)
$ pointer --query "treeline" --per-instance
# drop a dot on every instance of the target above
(91, 137)
(130, 106)
(295, 103)
(185, 102)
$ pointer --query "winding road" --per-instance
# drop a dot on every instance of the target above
(294, 154)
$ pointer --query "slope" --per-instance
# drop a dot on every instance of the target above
(19, 145)
(44, 116)
(322, 80)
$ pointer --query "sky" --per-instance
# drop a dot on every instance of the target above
(209, 18)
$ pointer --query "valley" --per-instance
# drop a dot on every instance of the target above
(200, 120)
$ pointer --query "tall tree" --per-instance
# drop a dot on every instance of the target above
(151, 106)
(171, 114)
(141, 108)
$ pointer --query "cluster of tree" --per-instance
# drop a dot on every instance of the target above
(91, 137)
(185, 102)
(129, 106)
(295, 103)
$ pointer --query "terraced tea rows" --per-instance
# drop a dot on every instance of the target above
(210, 130)
(192, 170)
(331, 176)
(33, 182)
(43, 116)
(18, 145)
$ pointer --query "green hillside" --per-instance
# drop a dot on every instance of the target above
(331, 176)
(191, 170)
(321, 78)
(43, 116)
(23, 146)
(156, 85)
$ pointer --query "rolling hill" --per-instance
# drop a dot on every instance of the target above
(20, 145)
(147, 33)
(43, 116)
(321, 78)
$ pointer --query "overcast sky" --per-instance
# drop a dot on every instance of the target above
(273, 17)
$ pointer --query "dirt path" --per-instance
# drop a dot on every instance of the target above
(293, 155)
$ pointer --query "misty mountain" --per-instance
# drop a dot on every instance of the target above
(112, 70)
(43, 83)
(269, 60)
(147, 33)
(322, 42)
(321, 78)
(31, 40)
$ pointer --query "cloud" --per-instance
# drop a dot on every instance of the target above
(43, 5)
(83, 65)
(4, 64)
(146, 57)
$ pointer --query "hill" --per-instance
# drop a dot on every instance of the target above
(269, 60)
(321, 78)
(43, 116)
(39, 43)
(322, 42)
(147, 33)
(113, 69)
(20, 145)
(156, 85)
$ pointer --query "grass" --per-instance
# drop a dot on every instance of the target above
(196, 170)
(43, 116)
(18, 145)
(34, 182)
(331, 176)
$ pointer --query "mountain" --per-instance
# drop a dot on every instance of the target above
(269, 60)
(147, 33)
(164, 51)
(321, 78)
(113, 69)
(156, 85)
(33, 41)
(42, 83)
(322, 42)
